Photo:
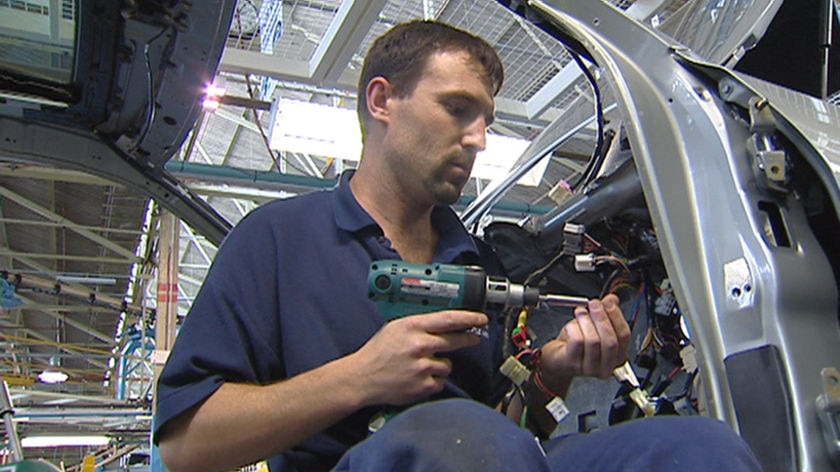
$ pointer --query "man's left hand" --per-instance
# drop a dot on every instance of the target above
(593, 344)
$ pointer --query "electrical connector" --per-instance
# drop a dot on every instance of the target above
(519, 337)
(624, 373)
(515, 371)
(688, 354)
(572, 238)
(585, 262)
(558, 409)
(640, 398)
(665, 305)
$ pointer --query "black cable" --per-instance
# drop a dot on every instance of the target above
(539, 273)
(597, 159)
(151, 109)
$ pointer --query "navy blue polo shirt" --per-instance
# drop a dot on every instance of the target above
(287, 293)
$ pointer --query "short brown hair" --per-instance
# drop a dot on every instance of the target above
(400, 55)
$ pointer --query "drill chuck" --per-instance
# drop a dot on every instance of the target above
(500, 291)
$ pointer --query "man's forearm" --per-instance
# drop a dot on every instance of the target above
(538, 394)
(241, 424)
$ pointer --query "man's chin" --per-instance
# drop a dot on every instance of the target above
(449, 196)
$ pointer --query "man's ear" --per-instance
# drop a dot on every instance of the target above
(378, 93)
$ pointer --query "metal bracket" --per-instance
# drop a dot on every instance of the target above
(769, 163)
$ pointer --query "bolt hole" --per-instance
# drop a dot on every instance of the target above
(596, 21)
(736, 292)
(747, 288)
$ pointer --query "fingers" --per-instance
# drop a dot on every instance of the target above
(605, 336)
(441, 331)
(404, 356)
(622, 329)
(591, 360)
(451, 321)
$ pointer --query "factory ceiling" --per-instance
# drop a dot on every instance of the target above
(84, 259)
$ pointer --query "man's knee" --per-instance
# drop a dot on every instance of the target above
(662, 442)
(446, 435)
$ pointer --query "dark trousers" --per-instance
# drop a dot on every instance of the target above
(461, 435)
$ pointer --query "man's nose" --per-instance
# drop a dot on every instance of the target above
(475, 136)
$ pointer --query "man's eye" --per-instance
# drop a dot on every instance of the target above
(456, 110)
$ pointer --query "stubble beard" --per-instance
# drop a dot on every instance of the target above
(445, 190)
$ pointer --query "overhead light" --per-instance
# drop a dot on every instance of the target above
(52, 376)
(71, 279)
(63, 441)
(322, 130)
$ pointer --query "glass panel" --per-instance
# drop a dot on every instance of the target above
(37, 38)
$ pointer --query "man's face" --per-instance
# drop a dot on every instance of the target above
(435, 132)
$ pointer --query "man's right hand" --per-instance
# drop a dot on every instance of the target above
(396, 366)
(400, 360)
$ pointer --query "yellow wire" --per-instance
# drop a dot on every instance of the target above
(70, 347)
(523, 317)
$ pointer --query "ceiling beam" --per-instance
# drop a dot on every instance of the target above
(244, 62)
(53, 224)
(28, 304)
(19, 394)
(197, 243)
(77, 228)
(241, 61)
(27, 142)
(238, 192)
(44, 340)
(237, 119)
(79, 292)
(343, 38)
(62, 257)
(51, 173)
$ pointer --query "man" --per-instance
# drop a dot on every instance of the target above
(283, 356)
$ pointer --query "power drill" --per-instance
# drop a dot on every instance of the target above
(403, 288)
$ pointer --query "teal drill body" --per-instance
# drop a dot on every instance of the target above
(403, 288)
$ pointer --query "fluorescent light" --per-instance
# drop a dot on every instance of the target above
(63, 441)
(52, 376)
(312, 128)
(71, 279)
(327, 131)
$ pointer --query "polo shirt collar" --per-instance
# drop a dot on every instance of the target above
(351, 217)
(454, 238)
(349, 214)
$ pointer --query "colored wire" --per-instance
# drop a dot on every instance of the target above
(539, 382)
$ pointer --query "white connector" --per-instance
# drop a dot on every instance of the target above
(624, 373)
(515, 371)
(640, 398)
(585, 262)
